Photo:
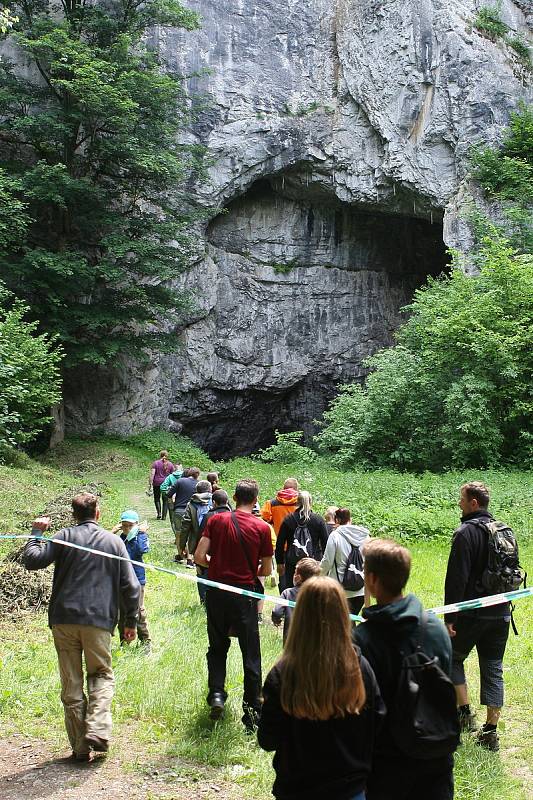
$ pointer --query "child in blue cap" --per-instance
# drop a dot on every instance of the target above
(134, 536)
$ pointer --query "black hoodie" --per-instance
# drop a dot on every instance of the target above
(319, 759)
(468, 558)
(389, 629)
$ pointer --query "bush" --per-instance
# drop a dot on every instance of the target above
(30, 381)
(489, 23)
(455, 391)
(506, 176)
(521, 48)
(288, 450)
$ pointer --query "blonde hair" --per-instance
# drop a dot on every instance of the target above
(329, 516)
(321, 671)
(304, 504)
(307, 568)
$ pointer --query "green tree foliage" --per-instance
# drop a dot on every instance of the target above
(506, 176)
(288, 450)
(89, 135)
(456, 390)
(29, 375)
(7, 20)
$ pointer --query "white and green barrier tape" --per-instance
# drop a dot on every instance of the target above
(451, 608)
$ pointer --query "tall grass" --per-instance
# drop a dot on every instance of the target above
(161, 699)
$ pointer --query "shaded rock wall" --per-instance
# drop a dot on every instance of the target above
(338, 132)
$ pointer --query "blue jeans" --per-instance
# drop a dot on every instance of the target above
(360, 796)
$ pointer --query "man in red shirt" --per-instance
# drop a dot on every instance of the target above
(237, 547)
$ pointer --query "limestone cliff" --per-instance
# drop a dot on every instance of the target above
(338, 132)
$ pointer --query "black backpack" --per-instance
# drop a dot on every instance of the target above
(423, 719)
(503, 572)
(353, 578)
(301, 545)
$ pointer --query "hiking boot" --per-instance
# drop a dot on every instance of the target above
(488, 740)
(467, 722)
(217, 704)
(97, 744)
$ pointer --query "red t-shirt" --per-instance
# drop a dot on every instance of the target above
(228, 562)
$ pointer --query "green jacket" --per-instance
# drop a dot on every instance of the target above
(170, 480)
(388, 630)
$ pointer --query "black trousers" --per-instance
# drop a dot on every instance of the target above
(489, 637)
(225, 612)
(157, 502)
(355, 604)
(409, 779)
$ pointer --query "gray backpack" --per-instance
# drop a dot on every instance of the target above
(503, 572)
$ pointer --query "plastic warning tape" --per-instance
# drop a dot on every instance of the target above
(451, 608)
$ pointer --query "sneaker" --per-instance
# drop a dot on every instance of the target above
(146, 646)
(260, 619)
(467, 722)
(488, 740)
(97, 744)
(190, 564)
(178, 559)
(217, 704)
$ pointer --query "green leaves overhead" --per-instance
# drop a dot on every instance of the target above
(456, 390)
(91, 133)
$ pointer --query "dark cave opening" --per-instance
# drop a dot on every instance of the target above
(307, 288)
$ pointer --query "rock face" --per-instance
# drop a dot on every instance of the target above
(338, 132)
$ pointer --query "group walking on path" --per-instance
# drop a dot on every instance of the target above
(329, 706)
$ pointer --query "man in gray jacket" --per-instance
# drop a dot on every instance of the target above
(83, 613)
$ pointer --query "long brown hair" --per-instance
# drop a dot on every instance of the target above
(321, 672)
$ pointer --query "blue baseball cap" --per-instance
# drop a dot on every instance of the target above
(129, 516)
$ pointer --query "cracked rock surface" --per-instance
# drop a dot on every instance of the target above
(338, 132)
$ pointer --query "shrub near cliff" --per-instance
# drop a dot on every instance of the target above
(455, 391)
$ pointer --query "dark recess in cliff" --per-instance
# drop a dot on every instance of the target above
(314, 286)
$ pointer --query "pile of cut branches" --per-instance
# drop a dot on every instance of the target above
(22, 591)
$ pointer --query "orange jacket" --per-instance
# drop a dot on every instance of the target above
(275, 511)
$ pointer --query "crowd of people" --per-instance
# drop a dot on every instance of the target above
(338, 708)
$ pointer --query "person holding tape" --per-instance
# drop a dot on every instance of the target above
(232, 546)
(83, 613)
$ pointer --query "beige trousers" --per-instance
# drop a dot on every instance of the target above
(85, 716)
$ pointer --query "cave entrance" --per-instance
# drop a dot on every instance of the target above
(307, 287)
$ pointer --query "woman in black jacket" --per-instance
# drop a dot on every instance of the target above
(322, 705)
(303, 534)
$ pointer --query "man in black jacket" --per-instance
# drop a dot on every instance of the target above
(486, 629)
(391, 628)
(180, 494)
(83, 612)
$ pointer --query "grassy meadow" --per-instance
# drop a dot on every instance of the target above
(160, 699)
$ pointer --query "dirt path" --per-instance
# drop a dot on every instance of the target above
(31, 770)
